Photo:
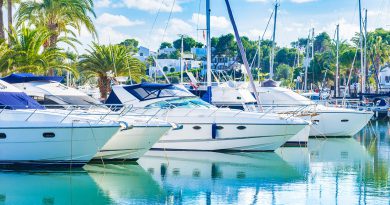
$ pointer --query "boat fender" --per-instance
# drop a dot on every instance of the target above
(125, 126)
(214, 130)
(176, 126)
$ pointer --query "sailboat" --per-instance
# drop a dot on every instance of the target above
(32, 135)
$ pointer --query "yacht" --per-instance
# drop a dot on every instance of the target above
(31, 135)
(128, 144)
(326, 121)
(205, 127)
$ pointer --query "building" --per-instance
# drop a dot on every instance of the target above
(199, 53)
(173, 65)
(384, 78)
(143, 53)
(166, 51)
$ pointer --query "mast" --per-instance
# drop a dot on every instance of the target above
(208, 43)
(365, 45)
(307, 61)
(181, 60)
(336, 81)
(362, 69)
(271, 70)
(243, 55)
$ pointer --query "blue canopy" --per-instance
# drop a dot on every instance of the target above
(28, 77)
(17, 100)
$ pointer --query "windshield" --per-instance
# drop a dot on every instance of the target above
(69, 100)
(181, 103)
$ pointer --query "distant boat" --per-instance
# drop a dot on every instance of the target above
(31, 135)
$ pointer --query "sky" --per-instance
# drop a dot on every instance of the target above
(151, 21)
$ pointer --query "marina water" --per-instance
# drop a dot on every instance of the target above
(330, 171)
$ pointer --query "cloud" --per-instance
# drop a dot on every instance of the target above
(153, 5)
(111, 20)
(102, 3)
(216, 21)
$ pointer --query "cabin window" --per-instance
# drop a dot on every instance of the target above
(387, 79)
(241, 127)
(3, 136)
(197, 127)
(196, 173)
(238, 98)
(344, 120)
(220, 127)
(48, 134)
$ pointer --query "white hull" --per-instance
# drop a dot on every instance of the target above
(333, 124)
(132, 143)
(300, 139)
(24, 143)
(258, 137)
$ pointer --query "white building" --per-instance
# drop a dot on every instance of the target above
(384, 78)
(166, 51)
(173, 65)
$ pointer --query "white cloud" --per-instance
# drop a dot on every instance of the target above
(111, 20)
(153, 5)
(347, 29)
(216, 21)
(102, 3)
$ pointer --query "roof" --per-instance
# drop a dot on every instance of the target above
(28, 77)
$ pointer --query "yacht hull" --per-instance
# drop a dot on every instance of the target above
(338, 124)
(131, 144)
(233, 137)
(39, 144)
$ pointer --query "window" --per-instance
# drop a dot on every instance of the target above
(48, 135)
(241, 127)
(181, 103)
(197, 127)
(3, 136)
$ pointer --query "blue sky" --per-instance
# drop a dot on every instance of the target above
(120, 19)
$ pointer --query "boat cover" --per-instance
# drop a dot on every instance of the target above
(28, 77)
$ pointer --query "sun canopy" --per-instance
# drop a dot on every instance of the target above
(13, 98)
(149, 91)
(28, 77)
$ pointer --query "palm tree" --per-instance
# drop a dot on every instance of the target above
(26, 53)
(2, 36)
(58, 16)
(102, 60)
(10, 3)
(378, 54)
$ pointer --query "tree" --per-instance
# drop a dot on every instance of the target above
(27, 54)
(102, 60)
(58, 16)
(226, 46)
(131, 45)
(165, 45)
(322, 42)
(2, 36)
(188, 43)
(10, 3)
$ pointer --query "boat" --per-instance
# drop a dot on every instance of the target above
(205, 127)
(32, 135)
(326, 121)
(128, 144)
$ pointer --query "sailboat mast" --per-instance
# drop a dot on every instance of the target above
(271, 70)
(365, 45)
(181, 59)
(336, 81)
(243, 55)
(307, 61)
(208, 43)
(362, 70)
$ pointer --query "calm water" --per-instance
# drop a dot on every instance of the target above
(329, 171)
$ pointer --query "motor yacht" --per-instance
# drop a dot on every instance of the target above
(326, 121)
(205, 127)
(128, 144)
(32, 135)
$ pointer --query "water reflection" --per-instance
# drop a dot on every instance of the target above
(330, 171)
(209, 177)
(48, 188)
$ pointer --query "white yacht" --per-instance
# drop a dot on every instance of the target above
(31, 135)
(326, 121)
(205, 127)
(128, 144)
